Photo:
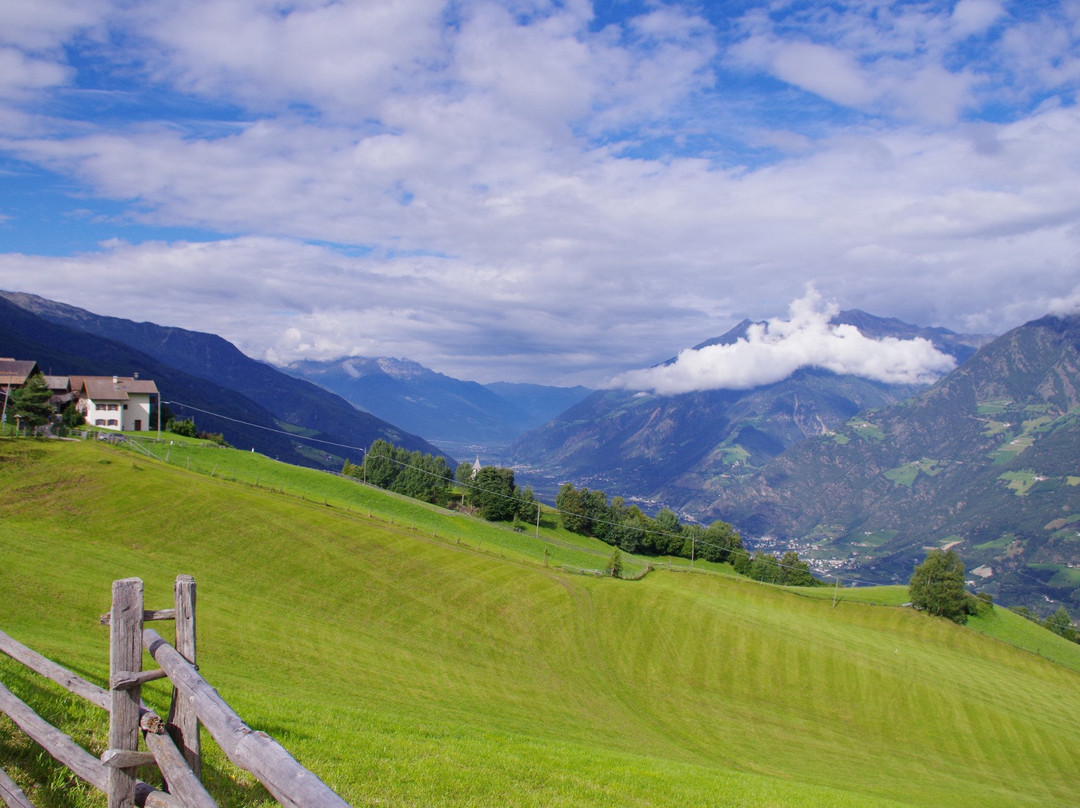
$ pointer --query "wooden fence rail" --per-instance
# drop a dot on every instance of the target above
(173, 745)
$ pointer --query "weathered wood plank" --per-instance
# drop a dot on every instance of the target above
(125, 655)
(126, 759)
(53, 741)
(11, 794)
(125, 680)
(148, 615)
(183, 723)
(182, 781)
(50, 670)
(70, 754)
(256, 752)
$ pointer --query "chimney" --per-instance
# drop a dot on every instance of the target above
(115, 380)
(136, 375)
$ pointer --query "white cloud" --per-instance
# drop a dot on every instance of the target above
(1065, 306)
(21, 74)
(772, 351)
(975, 16)
(341, 57)
(44, 25)
(520, 180)
(822, 70)
(906, 60)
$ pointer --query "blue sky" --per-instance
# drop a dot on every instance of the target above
(559, 192)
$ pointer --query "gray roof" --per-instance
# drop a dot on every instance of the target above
(16, 371)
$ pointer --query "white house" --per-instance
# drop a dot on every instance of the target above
(115, 402)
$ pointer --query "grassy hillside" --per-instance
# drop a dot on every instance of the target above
(409, 669)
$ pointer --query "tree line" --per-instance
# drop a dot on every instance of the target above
(491, 493)
(631, 530)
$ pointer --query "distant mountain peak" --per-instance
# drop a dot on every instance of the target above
(814, 336)
(401, 369)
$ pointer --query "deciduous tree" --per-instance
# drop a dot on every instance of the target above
(1060, 623)
(937, 586)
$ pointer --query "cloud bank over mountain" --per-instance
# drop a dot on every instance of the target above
(773, 350)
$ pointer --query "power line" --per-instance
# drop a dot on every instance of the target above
(696, 541)
(266, 428)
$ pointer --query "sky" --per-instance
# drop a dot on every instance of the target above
(555, 192)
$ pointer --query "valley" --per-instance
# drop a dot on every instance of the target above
(859, 475)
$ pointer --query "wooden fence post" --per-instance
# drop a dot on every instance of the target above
(125, 662)
(183, 723)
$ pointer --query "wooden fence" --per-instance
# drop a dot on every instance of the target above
(171, 744)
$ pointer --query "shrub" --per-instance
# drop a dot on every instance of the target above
(185, 428)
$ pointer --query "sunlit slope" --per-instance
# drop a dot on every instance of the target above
(409, 671)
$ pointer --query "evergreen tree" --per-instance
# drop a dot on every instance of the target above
(663, 535)
(71, 417)
(380, 467)
(31, 402)
(526, 508)
(614, 567)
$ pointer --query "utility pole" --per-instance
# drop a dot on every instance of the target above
(3, 414)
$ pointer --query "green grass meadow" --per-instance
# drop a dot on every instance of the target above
(430, 661)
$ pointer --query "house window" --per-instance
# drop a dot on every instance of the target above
(99, 422)
(125, 406)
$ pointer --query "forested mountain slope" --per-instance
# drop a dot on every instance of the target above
(988, 458)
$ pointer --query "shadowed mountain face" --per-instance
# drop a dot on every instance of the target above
(987, 459)
(207, 374)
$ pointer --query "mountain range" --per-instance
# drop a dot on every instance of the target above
(667, 448)
(858, 475)
(863, 476)
(200, 376)
(987, 461)
(461, 417)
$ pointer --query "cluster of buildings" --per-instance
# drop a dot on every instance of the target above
(109, 402)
